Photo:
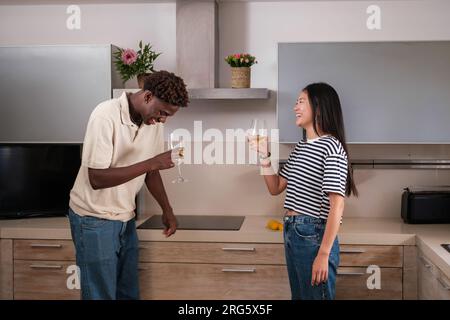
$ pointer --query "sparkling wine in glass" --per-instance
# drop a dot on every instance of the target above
(177, 146)
(258, 132)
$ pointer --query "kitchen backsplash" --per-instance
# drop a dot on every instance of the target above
(240, 189)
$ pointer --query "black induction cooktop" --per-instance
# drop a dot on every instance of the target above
(198, 222)
(446, 246)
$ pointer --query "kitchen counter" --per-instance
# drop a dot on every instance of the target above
(356, 231)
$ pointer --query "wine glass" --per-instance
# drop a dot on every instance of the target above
(177, 146)
(258, 132)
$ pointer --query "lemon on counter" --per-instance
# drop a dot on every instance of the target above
(274, 225)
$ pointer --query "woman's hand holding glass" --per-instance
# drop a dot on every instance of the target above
(259, 144)
(258, 137)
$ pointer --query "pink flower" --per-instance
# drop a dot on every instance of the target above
(129, 56)
(237, 56)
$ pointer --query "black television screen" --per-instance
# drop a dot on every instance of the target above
(36, 179)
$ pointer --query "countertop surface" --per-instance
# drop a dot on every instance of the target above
(355, 231)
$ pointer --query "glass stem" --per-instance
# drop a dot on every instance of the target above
(179, 170)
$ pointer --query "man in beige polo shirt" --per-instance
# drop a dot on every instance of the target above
(123, 148)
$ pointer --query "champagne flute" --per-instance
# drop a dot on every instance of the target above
(258, 132)
(177, 146)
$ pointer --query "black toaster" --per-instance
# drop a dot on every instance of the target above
(426, 205)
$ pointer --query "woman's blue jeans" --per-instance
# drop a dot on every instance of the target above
(302, 238)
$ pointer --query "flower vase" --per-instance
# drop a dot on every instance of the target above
(240, 77)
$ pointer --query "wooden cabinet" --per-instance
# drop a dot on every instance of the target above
(363, 256)
(370, 272)
(43, 280)
(443, 288)
(426, 282)
(199, 270)
(202, 270)
(6, 269)
(213, 281)
(45, 269)
(212, 252)
(44, 250)
(354, 284)
(42, 269)
(432, 283)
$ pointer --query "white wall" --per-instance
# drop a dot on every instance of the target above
(255, 28)
(258, 27)
(120, 24)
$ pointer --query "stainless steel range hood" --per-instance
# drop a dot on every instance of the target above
(197, 35)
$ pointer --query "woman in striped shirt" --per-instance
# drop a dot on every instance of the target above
(317, 177)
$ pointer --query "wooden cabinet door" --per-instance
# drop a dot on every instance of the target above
(212, 252)
(432, 283)
(443, 287)
(212, 281)
(44, 250)
(35, 280)
(352, 283)
(426, 285)
(6, 269)
(365, 255)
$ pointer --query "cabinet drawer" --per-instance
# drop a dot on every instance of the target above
(427, 286)
(212, 281)
(351, 283)
(432, 284)
(443, 287)
(44, 280)
(362, 256)
(6, 269)
(207, 252)
(44, 250)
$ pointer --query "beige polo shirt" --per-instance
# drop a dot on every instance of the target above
(112, 140)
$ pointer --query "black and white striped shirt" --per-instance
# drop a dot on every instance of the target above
(315, 167)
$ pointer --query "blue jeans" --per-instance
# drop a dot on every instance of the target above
(107, 255)
(302, 238)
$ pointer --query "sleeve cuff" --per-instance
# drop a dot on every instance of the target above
(96, 165)
(339, 192)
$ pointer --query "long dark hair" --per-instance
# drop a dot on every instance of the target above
(327, 114)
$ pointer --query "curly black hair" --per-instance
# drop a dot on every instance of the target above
(167, 87)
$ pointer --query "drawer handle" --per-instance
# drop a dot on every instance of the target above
(425, 262)
(350, 273)
(251, 270)
(352, 251)
(45, 266)
(238, 249)
(44, 245)
(443, 284)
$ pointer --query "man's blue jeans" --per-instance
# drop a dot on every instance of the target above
(107, 255)
(302, 238)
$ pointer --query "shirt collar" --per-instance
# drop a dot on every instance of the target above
(125, 110)
(317, 138)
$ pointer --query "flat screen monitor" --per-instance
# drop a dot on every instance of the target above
(36, 179)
